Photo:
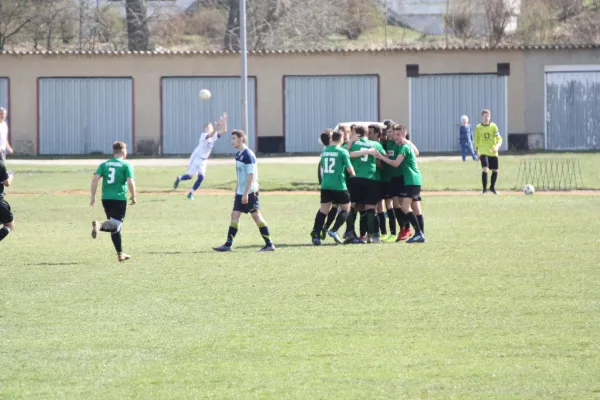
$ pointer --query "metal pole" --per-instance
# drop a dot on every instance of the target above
(244, 75)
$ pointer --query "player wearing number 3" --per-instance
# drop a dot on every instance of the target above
(116, 175)
(335, 162)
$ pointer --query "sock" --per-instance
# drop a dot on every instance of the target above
(484, 180)
(109, 226)
(401, 218)
(4, 232)
(363, 223)
(185, 177)
(421, 222)
(233, 228)
(413, 220)
(376, 228)
(371, 222)
(382, 226)
(350, 222)
(330, 217)
(494, 177)
(116, 239)
(392, 221)
(197, 183)
(319, 221)
(264, 231)
(339, 221)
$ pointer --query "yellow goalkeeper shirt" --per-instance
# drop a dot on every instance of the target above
(486, 138)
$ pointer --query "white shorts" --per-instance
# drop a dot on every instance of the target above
(197, 166)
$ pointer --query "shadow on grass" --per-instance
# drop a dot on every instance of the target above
(54, 264)
(277, 245)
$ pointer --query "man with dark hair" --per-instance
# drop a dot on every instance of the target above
(117, 175)
(335, 161)
(6, 215)
(365, 186)
(246, 194)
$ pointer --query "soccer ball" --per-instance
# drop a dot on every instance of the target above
(528, 189)
(205, 94)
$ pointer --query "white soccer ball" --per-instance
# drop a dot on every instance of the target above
(529, 189)
(205, 94)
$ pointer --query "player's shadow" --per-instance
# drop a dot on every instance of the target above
(277, 245)
(54, 264)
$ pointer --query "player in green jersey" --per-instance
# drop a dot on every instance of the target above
(117, 175)
(487, 144)
(365, 186)
(411, 174)
(335, 162)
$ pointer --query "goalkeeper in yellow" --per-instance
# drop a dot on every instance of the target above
(487, 144)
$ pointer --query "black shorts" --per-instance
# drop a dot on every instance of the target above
(386, 190)
(490, 162)
(335, 196)
(364, 191)
(252, 205)
(6, 215)
(397, 187)
(412, 192)
(115, 209)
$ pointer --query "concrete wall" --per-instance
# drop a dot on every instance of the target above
(525, 83)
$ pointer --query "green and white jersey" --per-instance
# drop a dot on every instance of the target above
(115, 173)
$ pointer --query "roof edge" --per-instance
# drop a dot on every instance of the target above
(401, 49)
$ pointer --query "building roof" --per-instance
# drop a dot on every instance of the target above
(406, 49)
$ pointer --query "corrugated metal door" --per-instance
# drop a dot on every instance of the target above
(438, 101)
(313, 103)
(184, 114)
(84, 115)
(573, 110)
(4, 93)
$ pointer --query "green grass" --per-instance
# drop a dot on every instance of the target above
(438, 174)
(502, 302)
(378, 35)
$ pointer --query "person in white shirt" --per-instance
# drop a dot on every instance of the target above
(4, 145)
(198, 159)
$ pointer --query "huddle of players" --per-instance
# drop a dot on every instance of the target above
(366, 172)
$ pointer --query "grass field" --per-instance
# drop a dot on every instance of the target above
(502, 302)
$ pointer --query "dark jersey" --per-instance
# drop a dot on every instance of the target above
(3, 177)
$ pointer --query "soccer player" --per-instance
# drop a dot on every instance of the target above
(198, 159)
(411, 198)
(386, 203)
(365, 186)
(466, 139)
(246, 193)
(117, 175)
(335, 161)
(4, 144)
(6, 215)
(487, 144)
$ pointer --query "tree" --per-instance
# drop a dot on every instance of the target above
(498, 15)
(138, 33)
(14, 16)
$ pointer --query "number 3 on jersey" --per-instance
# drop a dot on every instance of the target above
(111, 176)
(364, 158)
(329, 165)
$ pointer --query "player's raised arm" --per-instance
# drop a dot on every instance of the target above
(223, 123)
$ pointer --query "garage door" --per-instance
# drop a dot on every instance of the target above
(184, 114)
(438, 101)
(313, 103)
(84, 115)
(4, 93)
(573, 110)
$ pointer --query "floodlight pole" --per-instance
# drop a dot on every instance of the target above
(244, 75)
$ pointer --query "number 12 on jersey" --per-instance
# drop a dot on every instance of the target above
(329, 166)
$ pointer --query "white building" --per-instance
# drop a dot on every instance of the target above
(427, 16)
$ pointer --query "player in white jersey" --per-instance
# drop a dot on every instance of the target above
(199, 158)
(4, 145)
